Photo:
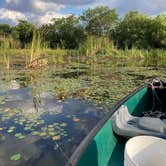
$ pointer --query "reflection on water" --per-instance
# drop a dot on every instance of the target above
(32, 133)
(45, 114)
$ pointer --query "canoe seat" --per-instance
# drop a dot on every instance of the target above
(127, 125)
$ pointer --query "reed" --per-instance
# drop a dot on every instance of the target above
(96, 46)
(36, 51)
(5, 47)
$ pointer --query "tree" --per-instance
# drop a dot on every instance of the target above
(158, 32)
(25, 32)
(100, 20)
(140, 31)
(64, 33)
(5, 29)
(133, 31)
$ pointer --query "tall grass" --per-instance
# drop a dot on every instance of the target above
(35, 49)
(96, 46)
(38, 54)
(5, 47)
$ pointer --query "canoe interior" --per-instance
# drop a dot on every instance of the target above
(106, 148)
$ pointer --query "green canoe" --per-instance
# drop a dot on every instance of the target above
(102, 147)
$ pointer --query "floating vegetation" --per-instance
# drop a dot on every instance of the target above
(27, 128)
(35, 133)
(52, 133)
(44, 128)
(63, 124)
(19, 135)
(43, 134)
(10, 131)
(6, 110)
(51, 126)
(83, 96)
(15, 157)
(56, 137)
(12, 127)
(50, 129)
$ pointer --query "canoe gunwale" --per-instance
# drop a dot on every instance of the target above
(83, 145)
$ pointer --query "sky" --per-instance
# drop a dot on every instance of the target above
(42, 11)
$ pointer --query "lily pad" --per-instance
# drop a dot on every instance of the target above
(10, 131)
(63, 124)
(50, 129)
(15, 157)
(52, 133)
(19, 135)
(20, 123)
(27, 128)
(35, 133)
(50, 126)
(44, 128)
(12, 127)
(42, 134)
(55, 124)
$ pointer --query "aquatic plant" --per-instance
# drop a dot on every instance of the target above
(19, 135)
(35, 133)
(5, 46)
(15, 157)
(56, 137)
(36, 59)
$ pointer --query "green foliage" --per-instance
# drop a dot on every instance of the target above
(24, 30)
(64, 33)
(15, 157)
(98, 31)
(140, 31)
(132, 31)
(5, 46)
(5, 29)
(100, 20)
(158, 32)
(95, 46)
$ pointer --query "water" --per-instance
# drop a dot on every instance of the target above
(46, 113)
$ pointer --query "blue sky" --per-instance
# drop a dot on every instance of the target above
(41, 11)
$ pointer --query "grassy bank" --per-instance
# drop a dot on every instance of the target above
(152, 53)
(91, 51)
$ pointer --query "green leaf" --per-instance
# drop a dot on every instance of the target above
(15, 157)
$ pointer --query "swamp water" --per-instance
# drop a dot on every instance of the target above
(46, 113)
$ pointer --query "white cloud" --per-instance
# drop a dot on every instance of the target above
(42, 11)
(33, 6)
(49, 16)
(11, 15)
(36, 11)
(73, 2)
(47, 6)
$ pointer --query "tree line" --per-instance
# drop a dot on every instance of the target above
(133, 30)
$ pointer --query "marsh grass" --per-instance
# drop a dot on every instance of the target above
(37, 54)
(96, 46)
(35, 49)
(5, 47)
